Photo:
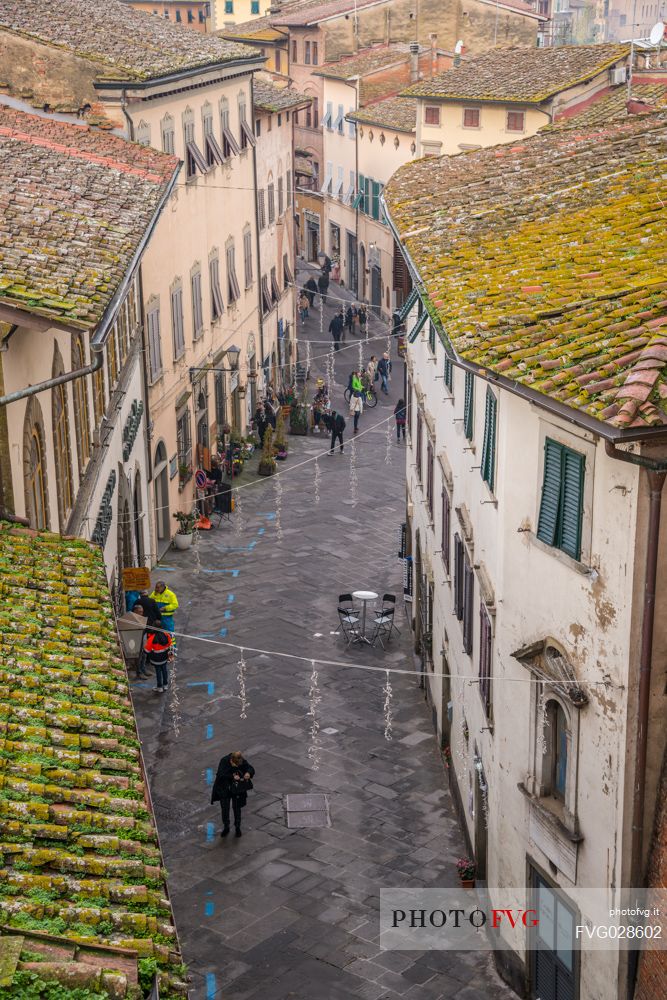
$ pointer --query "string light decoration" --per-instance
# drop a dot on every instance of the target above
(196, 539)
(361, 355)
(243, 694)
(172, 687)
(278, 491)
(314, 699)
(543, 721)
(238, 512)
(308, 358)
(388, 692)
(388, 446)
(354, 479)
(316, 483)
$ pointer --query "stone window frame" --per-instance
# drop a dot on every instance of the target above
(33, 431)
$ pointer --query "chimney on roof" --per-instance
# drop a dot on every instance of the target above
(434, 53)
(414, 62)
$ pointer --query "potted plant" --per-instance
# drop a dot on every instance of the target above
(466, 869)
(280, 442)
(186, 523)
(267, 463)
(299, 416)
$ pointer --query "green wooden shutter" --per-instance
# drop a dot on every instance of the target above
(368, 195)
(572, 502)
(375, 206)
(449, 374)
(468, 405)
(488, 468)
(361, 193)
(547, 523)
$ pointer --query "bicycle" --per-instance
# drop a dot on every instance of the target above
(368, 395)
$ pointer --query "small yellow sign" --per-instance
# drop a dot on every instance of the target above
(136, 578)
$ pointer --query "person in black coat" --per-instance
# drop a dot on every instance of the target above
(231, 786)
(337, 428)
(323, 286)
(336, 327)
(311, 290)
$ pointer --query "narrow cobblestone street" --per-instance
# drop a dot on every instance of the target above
(294, 912)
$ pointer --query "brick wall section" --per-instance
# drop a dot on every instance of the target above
(652, 981)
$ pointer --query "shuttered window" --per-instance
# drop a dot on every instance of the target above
(431, 336)
(178, 336)
(458, 577)
(446, 530)
(488, 467)
(154, 349)
(562, 501)
(485, 644)
(247, 257)
(449, 374)
(197, 307)
(429, 478)
(468, 599)
(469, 406)
(418, 446)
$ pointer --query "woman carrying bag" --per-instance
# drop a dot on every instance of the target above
(232, 783)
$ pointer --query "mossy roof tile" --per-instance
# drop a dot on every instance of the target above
(126, 43)
(399, 113)
(75, 203)
(487, 229)
(521, 75)
(79, 855)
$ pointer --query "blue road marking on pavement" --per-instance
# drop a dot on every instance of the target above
(211, 988)
(261, 531)
(223, 632)
(234, 572)
(204, 635)
(209, 908)
(207, 684)
(140, 684)
(210, 832)
(209, 776)
(228, 614)
(230, 598)
(270, 517)
(252, 545)
(209, 732)
(167, 569)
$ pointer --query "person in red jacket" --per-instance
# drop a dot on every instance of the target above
(158, 647)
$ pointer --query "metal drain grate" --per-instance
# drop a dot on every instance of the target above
(303, 811)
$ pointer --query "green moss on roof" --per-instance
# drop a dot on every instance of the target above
(398, 113)
(127, 44)
(368, 61)
(521, 75)
(79, 855)
(611, 106)
(268, 97)
(546, 262)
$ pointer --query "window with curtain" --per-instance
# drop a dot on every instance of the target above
(81, 412)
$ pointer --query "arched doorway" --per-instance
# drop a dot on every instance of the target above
(36, 488)
(161, 490)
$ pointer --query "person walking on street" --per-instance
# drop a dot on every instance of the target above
(400, 414)
(363, 320)
(233, 781)
(337, 428)
(336, 329)
(303, 306)
(384, 369)
(141, 660)
(158, 649)
(356, 399)
(371, 369)
(323, 286)
(167, 603)
(261, 423)
(311, 290)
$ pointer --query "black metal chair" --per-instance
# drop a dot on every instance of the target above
(349, 617)
(384, 620)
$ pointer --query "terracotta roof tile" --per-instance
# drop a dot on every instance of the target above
(126, 43)
(367, 61)
(398, 113)
(75, 822)
(75, 203)
(505, 240)
(612, 106)
(522, 75)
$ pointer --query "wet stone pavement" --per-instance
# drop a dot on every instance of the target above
(294, 912)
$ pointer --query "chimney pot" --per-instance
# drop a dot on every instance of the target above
(414, 62)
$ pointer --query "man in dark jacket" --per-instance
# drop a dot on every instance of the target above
(150, 608)
(231, 785)
(311, 290)
(323, 286)
(336, 329)
(384, 368)
(337, 428)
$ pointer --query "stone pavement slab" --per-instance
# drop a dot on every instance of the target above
(293, 913)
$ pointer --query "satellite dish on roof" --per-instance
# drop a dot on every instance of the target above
(657, 33)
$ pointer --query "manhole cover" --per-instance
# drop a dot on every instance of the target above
(303, 811)
(306, 803)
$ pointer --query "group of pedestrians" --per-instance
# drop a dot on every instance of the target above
(354, 320)
(158, 608)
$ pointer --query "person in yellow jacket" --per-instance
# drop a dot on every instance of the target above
(167, 602)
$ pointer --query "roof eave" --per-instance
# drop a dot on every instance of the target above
(145, 83)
